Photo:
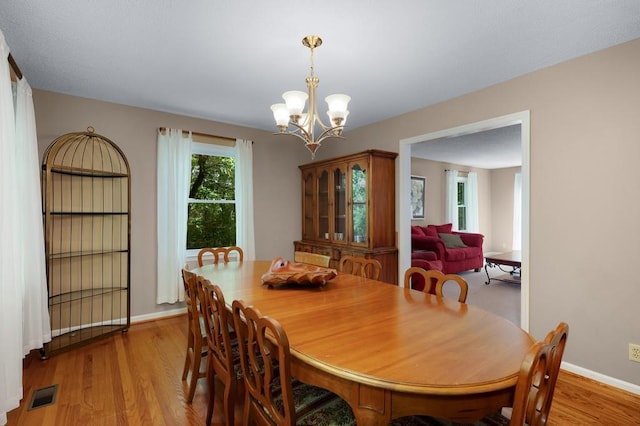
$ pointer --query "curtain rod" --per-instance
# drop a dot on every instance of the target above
(206, 135)
(15, 67)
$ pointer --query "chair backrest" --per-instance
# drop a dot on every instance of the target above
(189, 280)
(435, 280)
(311, 258)
(558, 340)
(265, 365)
(216, 252)
(537, 379)
(356, 265)
(216, 322)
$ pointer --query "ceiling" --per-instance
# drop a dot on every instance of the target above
(228, 61)
(489, 149)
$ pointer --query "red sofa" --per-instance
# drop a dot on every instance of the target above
(458, 251)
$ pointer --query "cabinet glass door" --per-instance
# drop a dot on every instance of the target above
(359, 204)
(339, 204)
(323, 205)
(307, 206)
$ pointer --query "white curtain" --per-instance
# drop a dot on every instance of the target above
(10, 258)
(244, 198)
(36, 326)
(451, 202)
(174, 171)
(517, 212)
(471, 199)
(24, 318)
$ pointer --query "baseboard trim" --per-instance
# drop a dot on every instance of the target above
(598, 377)
(158, 315)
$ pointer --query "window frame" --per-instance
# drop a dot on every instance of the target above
(218, 151)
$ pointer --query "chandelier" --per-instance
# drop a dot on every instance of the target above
(291, 112)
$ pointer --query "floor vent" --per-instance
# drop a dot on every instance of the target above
(43, 397)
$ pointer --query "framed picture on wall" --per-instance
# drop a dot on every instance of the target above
(417, 197)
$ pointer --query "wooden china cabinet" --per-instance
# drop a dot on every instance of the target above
(348, 208)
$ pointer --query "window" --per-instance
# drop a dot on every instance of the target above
(211, 220)
(462, 204)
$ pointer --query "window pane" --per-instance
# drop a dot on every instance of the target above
(461, 193)
(212, 177)
(359, 200)
(359, 222)
(359, 188)
(462, 218)
(211, 225)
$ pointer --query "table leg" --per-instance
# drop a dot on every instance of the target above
(486, 271)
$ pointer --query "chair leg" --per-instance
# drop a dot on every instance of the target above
(211, 382)
(195, 371)
(187, 358)
(246, 413)
(229, 402)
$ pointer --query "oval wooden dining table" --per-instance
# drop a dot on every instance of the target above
(388, 351)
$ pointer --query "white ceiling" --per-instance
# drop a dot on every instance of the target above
(489, 149)
(228, 61)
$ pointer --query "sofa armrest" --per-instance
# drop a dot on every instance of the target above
(425, 243)
(471, 239)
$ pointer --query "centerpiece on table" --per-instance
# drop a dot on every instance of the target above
(283, 272)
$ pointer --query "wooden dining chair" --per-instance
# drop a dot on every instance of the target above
(196, 335)
(535, 387)
(222, 360)
(557, 339)
(357, 265)
(216, 252)
(435, 280)
(311, 258)
(272, 396)
(537, 380)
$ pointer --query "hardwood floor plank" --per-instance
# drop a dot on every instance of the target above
(134, 378)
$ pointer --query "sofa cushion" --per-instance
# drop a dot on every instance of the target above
(455, 254)
(462, 253)
(451, 240)
(430, 231)
(423, 255)
(444, 229)
(417, 230)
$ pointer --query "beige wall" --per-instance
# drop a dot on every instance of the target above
(502, 186)
(276, 177)
(584, 153)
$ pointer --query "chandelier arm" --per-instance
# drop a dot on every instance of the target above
(322, 125)
(297, 135)
(327, 135)
(305, 134)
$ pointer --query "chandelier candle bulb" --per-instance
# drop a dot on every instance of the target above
(292, 111)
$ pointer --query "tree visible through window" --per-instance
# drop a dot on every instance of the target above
(212, 208)
(462, 205)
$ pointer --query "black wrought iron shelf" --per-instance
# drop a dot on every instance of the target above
(62, 298)
(93, 213)
(76, 171)
(66, 255)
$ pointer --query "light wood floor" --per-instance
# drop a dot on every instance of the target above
(134, 378)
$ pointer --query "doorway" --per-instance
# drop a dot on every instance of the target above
(404, 176)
